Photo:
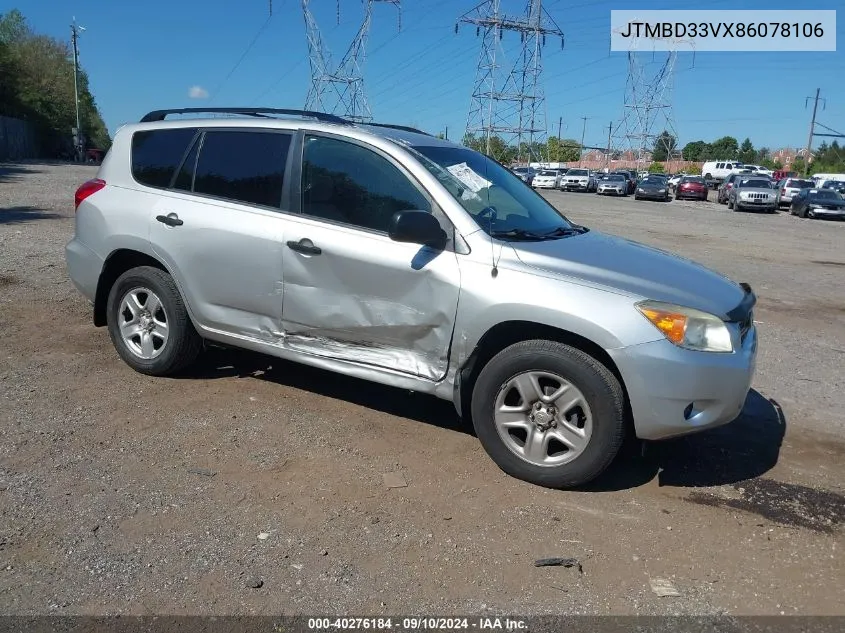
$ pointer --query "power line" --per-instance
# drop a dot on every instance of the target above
(255, 38)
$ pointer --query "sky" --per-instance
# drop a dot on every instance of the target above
(142, 56)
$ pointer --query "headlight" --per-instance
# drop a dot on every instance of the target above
(687, 327)
(661, 191)
(640, 190)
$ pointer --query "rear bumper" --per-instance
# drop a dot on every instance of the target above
(676, 392)
(84, 267)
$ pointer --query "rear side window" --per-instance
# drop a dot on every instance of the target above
(157, 153)
(243, 166)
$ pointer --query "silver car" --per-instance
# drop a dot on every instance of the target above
(399, 258)
(753, 192)
(789, 188)
(613, 184)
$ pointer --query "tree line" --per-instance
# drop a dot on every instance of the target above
(36, 85)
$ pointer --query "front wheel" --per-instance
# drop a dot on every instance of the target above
(149, 324)
(548, 413)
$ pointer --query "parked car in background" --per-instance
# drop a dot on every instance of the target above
(579, 180)
(717, 170)
(753, 192)
(652, 188)
(525, 174)
(190, 232)
(546, 179)
(789, 187)
(836, 185)
(613, 184)
(818, 203)
(758, 169)
(724, 189)
(675, 180)
(693, 187)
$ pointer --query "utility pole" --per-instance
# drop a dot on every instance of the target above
(447, 132)
(812, 126)
(559, 127)
(509, 104)
(607, 156)
(583, 134)
(74, 36)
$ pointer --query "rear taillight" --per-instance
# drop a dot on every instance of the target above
(783, 192)
(86, 189)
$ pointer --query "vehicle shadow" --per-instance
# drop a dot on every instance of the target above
(219, 362)
(744, 449)
(15, 215)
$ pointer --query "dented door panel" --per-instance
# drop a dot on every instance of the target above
(367, 299)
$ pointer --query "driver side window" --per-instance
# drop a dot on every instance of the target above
(344, 182)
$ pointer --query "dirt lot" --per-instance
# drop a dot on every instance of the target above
(121, 493)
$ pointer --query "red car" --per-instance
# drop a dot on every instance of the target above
(692, 187)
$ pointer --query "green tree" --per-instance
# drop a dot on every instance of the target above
(656, 168)
(695, 150)
(798, 165)
(36, 79)
(747, 154)
(563, 151)
(664, 145)
(725, 148)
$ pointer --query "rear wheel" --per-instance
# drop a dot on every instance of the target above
(549, 413)
(149, 324)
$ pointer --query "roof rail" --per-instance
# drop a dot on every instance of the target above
(398, 127)
(160, 115)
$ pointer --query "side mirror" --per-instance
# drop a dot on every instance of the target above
(417, 227)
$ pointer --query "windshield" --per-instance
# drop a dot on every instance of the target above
(696, 179)
(548, 173)
(824, 194)
(756, 184)
(497, 200)
(616, 177)
(654, 180)
(577, 172)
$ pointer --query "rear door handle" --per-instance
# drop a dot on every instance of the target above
(305, 246)
(171, 219)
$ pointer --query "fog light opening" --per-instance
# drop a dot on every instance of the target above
(688, 411)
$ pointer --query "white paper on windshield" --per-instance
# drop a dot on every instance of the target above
(468, 177)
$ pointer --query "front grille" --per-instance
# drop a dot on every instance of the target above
(756, 196)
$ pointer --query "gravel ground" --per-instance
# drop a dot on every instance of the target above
(254, 486)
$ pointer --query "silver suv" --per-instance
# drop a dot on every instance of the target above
(393, 256)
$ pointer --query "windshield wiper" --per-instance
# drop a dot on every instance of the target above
(563, 231)
(522, 234)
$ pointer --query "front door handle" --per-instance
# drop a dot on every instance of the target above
(171, 219)
(305, 246)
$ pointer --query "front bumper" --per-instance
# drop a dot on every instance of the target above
(769, 205)
(697, 195)
(84, 267)
(616, 191)
(576, 186)
(544, 184)
(652, 195)
(828, 213)
(676, 392)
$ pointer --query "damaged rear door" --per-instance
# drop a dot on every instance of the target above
(350, 292)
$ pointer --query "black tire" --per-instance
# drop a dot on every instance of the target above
(730, 204)
(600, 388)
(183, 343)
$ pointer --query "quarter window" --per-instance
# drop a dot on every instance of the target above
(245, 166)
(347, 183)
(157, 153)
